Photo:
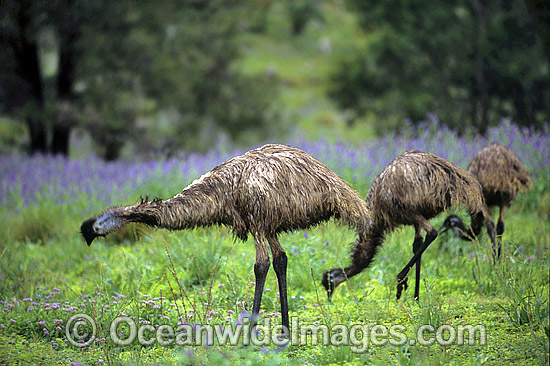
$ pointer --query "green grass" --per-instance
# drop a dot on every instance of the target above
(208, 276)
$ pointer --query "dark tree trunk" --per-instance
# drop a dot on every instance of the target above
(112, 151)
(60, 139)
(480, 10)
(28, 94)
(65, 119)
(38, 136)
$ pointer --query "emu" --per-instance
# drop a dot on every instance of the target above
(266, 191)
(415, 187)
(501, 175)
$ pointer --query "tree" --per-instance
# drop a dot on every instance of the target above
(469, 61)
(21, 84)
(122, 62)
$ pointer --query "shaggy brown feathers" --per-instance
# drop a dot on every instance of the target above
(415, 187)
(500, 173)
(421, 184)
(266, 191)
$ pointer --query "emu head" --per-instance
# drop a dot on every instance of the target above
(102, 225)
(452, 222)
(87, 230)
(331, 279)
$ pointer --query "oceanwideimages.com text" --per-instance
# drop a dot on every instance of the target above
(81, 331)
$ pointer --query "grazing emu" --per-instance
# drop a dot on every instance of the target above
(269, 190)
(415, 187)
(501, 175)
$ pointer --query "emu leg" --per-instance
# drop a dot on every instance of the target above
(261, 267)
(500, 223)
(430, 237)
(279, 265)
(416, 247)
(260, 271)
(494, 244)
(500, 228)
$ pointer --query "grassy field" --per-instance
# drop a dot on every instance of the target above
(205, 277)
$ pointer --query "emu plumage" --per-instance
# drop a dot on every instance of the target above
(415, 187)
(502, 176)
(266, 191)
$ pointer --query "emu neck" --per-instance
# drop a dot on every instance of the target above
(364, 249)
(186, 210)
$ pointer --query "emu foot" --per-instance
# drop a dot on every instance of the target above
(401, 285)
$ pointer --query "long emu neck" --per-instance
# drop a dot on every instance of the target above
(364, 249)
(189, 209)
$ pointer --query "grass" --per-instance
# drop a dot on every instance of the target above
(204, 276)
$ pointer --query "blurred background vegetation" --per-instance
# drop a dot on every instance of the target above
(127, 78)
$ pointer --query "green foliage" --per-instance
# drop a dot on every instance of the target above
(20, 350)
(121, 69)
(11, 135)
(35, 224)
(204, 276)
(526, 305)
(242, 356)
(460, 60)
(176, 69)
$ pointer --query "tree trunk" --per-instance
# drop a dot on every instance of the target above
(28, 94)
(60, 140)
(482, 121)
(66, 114)
(37, 135)
(112, 151)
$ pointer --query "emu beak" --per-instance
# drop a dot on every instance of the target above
(329, 286)
(443, 228)
(87, 231)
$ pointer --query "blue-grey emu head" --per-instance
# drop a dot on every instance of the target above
(87, 230)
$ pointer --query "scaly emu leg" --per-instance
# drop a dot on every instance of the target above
(261, 267)
(279, 265)
(418, 239)
(500, 226)
(477, 223)
(431, 234)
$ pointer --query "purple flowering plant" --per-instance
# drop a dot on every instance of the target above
(204, 276)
